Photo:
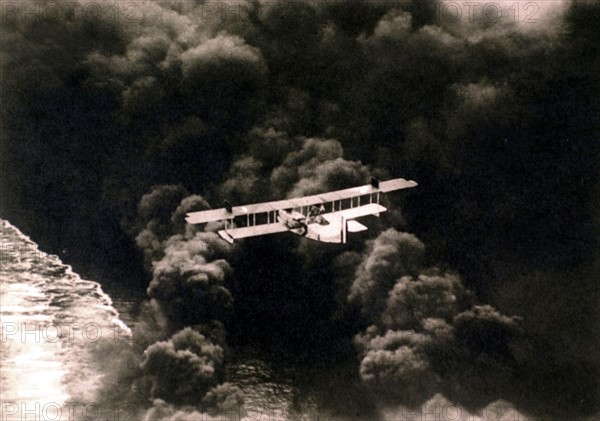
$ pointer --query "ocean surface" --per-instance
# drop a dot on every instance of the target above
(51, 319)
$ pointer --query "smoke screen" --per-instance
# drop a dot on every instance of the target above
(114, 128)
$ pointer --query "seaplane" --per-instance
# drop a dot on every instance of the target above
(325, 217)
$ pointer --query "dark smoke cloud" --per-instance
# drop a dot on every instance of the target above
(429, 336)
(429, 296)
(223, 402)
(279, 166)
(182, 368)
(318, 166)
(192, 203)
(244, 177)
(159, 204)
(496, 119)
(396, 367)
(224, 398)
(188, 266)
(180, 331)
(187, 286)
(390, 256)
(162, 411)
(162, 215)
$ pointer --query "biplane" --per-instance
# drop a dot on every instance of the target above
(326, 217)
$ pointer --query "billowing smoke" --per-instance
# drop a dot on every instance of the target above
(278, 166)
(155, 210)
(427, 329)
(188, 268)
(222, 401)
(393, 254)
(187, 285)
(179, 346)
(118, 120)
(182, 368)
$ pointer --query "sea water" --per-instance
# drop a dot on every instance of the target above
(50, 320)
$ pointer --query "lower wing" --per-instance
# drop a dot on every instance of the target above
(359, 211)
(243, 232)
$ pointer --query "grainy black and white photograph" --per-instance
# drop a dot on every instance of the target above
(270, 210)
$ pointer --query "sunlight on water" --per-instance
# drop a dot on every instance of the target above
(50, 319)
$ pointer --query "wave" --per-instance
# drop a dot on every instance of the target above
(51, 320)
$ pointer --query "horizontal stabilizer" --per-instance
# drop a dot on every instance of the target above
(354, 226)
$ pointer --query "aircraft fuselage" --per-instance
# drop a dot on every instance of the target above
(325, 228)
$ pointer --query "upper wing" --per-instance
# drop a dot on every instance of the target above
(396, 184)
(207, 216)
(221, 214)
